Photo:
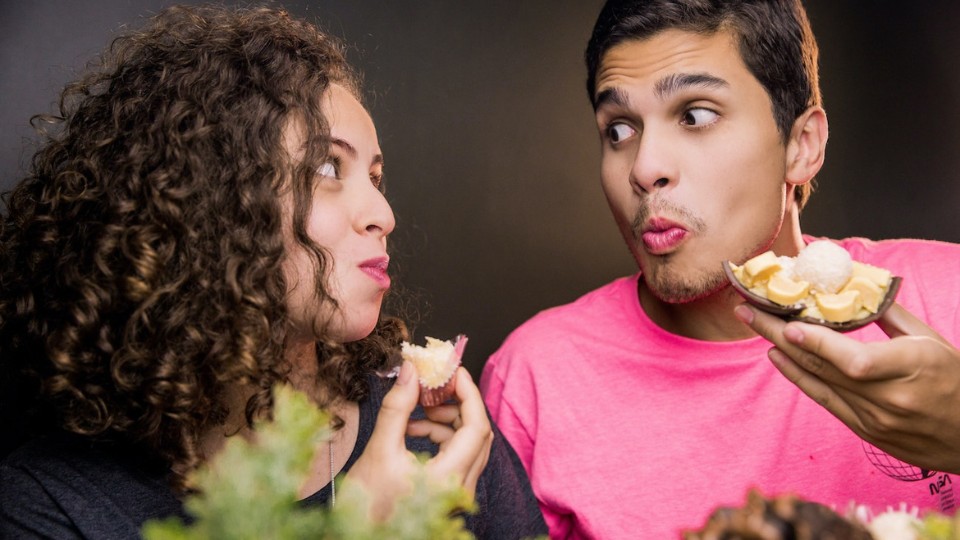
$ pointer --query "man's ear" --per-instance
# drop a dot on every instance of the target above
(807, 146)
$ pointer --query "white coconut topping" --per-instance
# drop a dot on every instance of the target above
(786, 266)
(825, 265)
(895, 525)
(435, 362)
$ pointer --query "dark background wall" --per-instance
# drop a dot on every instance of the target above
(491, 149)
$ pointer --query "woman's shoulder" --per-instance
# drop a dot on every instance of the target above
(60, 483)
(53, 455)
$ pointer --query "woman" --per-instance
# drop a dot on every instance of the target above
(204, 222)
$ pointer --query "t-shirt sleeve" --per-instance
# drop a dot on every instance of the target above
(511, 398)
(27, 510)
(494, 389)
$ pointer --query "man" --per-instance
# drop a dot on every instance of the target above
(646, 403)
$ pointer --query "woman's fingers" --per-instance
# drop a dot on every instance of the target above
(443, 414)
(470, 443)
(437, 433)
(472, 410)
(395, 410)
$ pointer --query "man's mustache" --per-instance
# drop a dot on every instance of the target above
(649, 207)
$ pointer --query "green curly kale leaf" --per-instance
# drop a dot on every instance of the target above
(249, 491)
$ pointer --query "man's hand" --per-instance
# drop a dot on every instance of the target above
(901, 395)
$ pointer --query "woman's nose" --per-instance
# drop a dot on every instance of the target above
(377, 215)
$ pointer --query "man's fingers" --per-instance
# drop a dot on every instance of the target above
(775, 330)
(897, 321)
(827, 354)
(819, 391)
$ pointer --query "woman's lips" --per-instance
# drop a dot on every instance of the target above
(377, 270)
(661, 236)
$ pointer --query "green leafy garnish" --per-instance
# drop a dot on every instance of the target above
(249, 491)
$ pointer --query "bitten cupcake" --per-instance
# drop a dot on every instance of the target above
(436, 365)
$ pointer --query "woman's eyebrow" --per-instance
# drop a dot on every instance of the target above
(352, 152)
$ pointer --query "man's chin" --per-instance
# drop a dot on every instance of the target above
(682, 292)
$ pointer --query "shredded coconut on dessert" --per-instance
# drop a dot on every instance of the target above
(433, 362)
(825, 265)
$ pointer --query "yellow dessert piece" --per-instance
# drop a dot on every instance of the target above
(435, 362)
(871, 294)
(839, 307)
(879, 276)
(786, 291)
(738, 273)
(825, 290)
(761, 267)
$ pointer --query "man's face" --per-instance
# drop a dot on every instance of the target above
(693, 165)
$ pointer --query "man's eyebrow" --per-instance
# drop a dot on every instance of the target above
(352, 152)
(672, 84)
(612, 96)
(663, 89)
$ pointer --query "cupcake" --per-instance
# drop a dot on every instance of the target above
(436, 365)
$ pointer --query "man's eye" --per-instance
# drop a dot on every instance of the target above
(699, 117)
(619, 132)
(328, 169)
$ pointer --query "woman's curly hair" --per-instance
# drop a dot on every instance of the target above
(140, 259)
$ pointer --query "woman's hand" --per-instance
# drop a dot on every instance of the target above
(463, 432)
(901, 395)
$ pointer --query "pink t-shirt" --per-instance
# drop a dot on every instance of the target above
(628, 431)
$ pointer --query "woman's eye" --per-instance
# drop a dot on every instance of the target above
(328, 169)
(699, 117)
(619, 132)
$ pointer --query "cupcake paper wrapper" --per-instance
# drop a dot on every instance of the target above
(431, 397)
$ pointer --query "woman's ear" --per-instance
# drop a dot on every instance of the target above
(807, 146)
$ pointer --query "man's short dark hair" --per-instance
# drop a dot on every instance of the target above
(774, 38)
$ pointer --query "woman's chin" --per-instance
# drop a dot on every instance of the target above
(355, 332)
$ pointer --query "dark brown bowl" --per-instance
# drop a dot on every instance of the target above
(792, 313)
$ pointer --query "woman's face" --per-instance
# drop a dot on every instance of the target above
(349, 218)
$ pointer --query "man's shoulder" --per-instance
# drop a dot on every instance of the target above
(906, 256)
(553, 331)
(896, 249)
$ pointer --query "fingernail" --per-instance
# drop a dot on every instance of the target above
(743, 313)
(776, 356)
(793, 334)
(406, 373)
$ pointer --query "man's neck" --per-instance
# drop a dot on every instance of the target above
(707, 319)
